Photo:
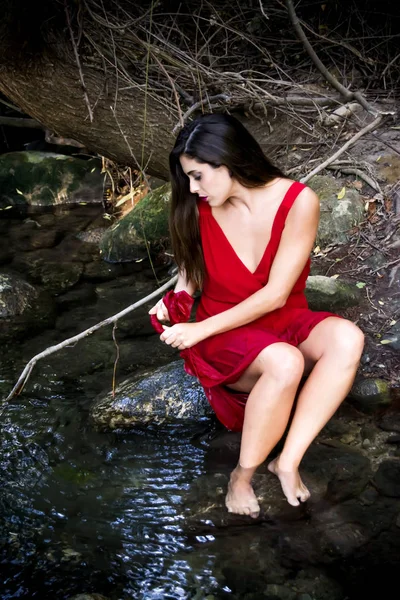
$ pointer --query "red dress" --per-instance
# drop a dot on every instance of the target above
(221, 359)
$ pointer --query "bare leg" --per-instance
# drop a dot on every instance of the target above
(337, 346)
(277, 371)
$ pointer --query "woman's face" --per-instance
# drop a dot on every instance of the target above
(212, 184)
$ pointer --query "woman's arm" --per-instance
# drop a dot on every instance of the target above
(183, 284)
(294, 250)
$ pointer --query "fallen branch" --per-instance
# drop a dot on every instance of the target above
(353, 171)
(347, 145)
(346, 93)
(19, 386)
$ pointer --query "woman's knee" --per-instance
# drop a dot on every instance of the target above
(283, 362)
(348, 340)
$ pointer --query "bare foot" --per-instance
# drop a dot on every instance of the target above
(292, 485)
(241, 498)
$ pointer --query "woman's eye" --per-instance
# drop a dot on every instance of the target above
(197, 178)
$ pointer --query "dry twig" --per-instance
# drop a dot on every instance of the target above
(347, 145)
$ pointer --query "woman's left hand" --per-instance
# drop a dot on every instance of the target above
(182, 335)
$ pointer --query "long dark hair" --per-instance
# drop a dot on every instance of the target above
(216, 139)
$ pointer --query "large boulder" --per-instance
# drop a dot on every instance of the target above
(23, 309)
(339, 214)
(47, 179)
(325, 293)
(165, 395)
(144, 228)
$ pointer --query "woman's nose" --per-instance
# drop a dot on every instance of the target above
(194, 186)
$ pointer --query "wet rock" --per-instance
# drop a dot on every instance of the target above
(142, 229)
(23, 308)
(49, 269)
(47, 179)
(83, 295)
(390, 421)
(324, 293)
(338, 217)
(393, 439)
(92, 236)
(101, 271)
(89, 355)
(167, 394)
(30, 236)
(387, 478)
(369, 394)
(333, 474)
(6, 253)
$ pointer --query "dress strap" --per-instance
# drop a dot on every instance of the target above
(290, 197)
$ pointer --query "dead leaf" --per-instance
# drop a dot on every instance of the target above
(335, 276)
(341, 194)
(358, 184)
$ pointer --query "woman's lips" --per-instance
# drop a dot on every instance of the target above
(204, 198)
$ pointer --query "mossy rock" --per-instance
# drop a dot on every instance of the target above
(338, 216)
(141, 230)
(369, 395)
(325, 293)
(48, 179)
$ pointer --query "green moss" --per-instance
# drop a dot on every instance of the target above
(146, 224)
(72, 474)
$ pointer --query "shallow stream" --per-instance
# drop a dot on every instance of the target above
(84, 512)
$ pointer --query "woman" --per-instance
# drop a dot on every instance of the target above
(242, 233)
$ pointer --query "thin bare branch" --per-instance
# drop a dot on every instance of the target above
(346, 146)
(78, 62)
(52, 349)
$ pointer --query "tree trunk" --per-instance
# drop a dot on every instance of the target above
(137, 133)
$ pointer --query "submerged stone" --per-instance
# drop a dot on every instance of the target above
(165, 395)
(387, 478)
(23, 308)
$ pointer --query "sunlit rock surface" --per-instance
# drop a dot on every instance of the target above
(341, 209)
(167, 394)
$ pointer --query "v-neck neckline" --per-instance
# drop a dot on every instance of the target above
(269, 241)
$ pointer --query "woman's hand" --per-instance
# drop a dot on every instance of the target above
(182, 335)
(160, 310)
